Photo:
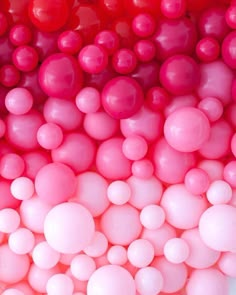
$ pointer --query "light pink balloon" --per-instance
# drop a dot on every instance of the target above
(121, 224)
(200, 255)
(17, 265)
(207, 281)
(183, 209)
(217, 227)
(111, 279)
(69, 228)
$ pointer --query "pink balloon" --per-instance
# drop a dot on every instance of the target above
(174, 275)
(93, 197)
(17, 265)
(60, 76)
(151, 187)
(117, 255)
(45, 256)
(114, 224)
(200, 255)
(149, 280)
(111, 279)
(98, 246)
(187, 129)
(55, 183)
(216, 227)
(158, 237)
(207, 281)
(110, 160)
(69, 228)
(183, 209)
(140, 253)
(211, 75)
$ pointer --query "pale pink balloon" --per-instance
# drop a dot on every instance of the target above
(176, 250)
(114, 224)
(159, 237)
(207, 281)
(151, 188)
(98, 246)
(200, 255)
(45, 256)
(24, 287)
(69, 228)
(60, 284)
(174, 275)
(216, 227)
(93, 197)
(9, 220)
(33, 213)
(219, 192)
(117, 255)
(118, 192)
(140, 253)
(21, 241)
(149, 280)
(17, 265)
(22, 188)
(152, 216)
(111, 279)
(82, 267)
(183, 209)
(227, 264)
(38, 277)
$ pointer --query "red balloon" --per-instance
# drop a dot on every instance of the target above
(86, 19)
(140, 6)
(199, 5)
(50, 15)
(112, 8)
(123, 28)
(17, 11)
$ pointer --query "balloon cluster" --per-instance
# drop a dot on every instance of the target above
(117, 147)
